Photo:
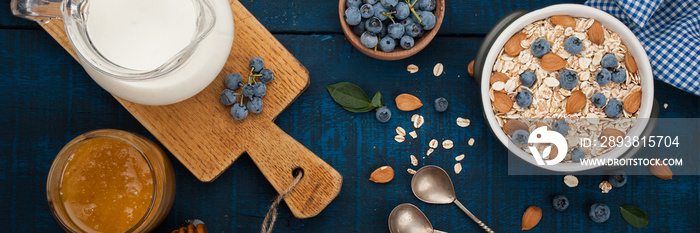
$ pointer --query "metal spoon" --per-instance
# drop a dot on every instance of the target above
(407, 218)
(432, 185)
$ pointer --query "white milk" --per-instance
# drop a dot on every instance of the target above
(140, 34)
(143, 34)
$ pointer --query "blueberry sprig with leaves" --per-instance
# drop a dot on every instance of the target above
(354, 99)
(254, 89)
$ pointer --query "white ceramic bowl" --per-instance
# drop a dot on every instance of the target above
(628, 39)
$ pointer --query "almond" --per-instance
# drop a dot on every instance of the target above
(630, 63)
(498, 76)
(514, 125)
(552, 62)
(382, 175)
(596, 33)
(632, 102)
(408, 102)
(563, 20)
(661, 171)
(513, 47)
(540, 124)
(553, 152)
(502, 102)
(576, 102)
(470, 68)
(610, 133)
(531, 217)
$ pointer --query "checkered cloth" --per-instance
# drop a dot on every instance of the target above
(670, 33)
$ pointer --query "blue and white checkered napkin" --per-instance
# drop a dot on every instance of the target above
(669, 31)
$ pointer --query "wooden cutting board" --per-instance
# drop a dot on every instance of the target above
(201, 133)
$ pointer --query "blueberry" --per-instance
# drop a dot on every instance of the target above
(561, 127)
(260, 89)
(369, 40)
(520, 137)
(523, 98)
(248, 90)
(402, 11)
(413, 16)
(405, 22)
(239, 111)
(383, 114)
(266, 76)
(360, 28)
(560, 202)
(599, 213)
(387, 44)
(619, 75)
(577, 155)
(441, 104)
(568, 79)
(428, 20)
(384, 32)
(406, 42)
(613, 109)
(573, 45)
(257, 64)
(352, 16)
(374, 25)
(603, 77)
(527, 79)
(353, 3)
(369, 1)
(609, 61)
(618, 179)
(540, 47)
(228, 97)
(426, 5)
(598, 100)
(414, 30)
(255, 105)
(233, 81)
(389, 4)
(379, 11)
(396, 30)
(366, 11)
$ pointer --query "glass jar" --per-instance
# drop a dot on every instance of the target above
(156, 162)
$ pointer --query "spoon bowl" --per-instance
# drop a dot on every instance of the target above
(431, 184)
(407, 218)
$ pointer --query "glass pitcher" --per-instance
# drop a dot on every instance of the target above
(133, 83)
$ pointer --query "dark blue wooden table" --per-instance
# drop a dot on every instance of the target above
(46, 99)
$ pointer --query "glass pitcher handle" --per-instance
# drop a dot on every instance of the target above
(37, 10)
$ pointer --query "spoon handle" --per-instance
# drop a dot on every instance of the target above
(481, 224)
(438, 231)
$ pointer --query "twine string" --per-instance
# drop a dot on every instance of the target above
(271, 216)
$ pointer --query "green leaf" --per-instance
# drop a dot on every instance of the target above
(634, 216)
(377, 100)
(350, 96)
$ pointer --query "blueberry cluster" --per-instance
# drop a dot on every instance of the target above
(383, 24)
(254, 89)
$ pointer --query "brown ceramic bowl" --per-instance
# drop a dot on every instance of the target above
(398, 53)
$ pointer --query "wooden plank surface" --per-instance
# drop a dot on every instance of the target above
(46, 99)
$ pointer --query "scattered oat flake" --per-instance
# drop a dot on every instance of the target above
(459, 157)
(412, 68)
(430, 151)
(462, 122)
(458, 168)
(399, 138)
(605, 186)
(400, 131)
(418, 122)
(665, 105)
(437, 70)
(471, 142)
(433, 143)
(414, 160)
(413, 134)
(447, 144)
(414, 117)
(570, 181)
(411, 171)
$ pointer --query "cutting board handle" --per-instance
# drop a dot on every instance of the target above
(277, 155)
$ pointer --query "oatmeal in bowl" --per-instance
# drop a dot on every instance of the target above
(572, 69)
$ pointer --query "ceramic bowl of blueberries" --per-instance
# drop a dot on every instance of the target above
(512, 23)
(390, 29)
